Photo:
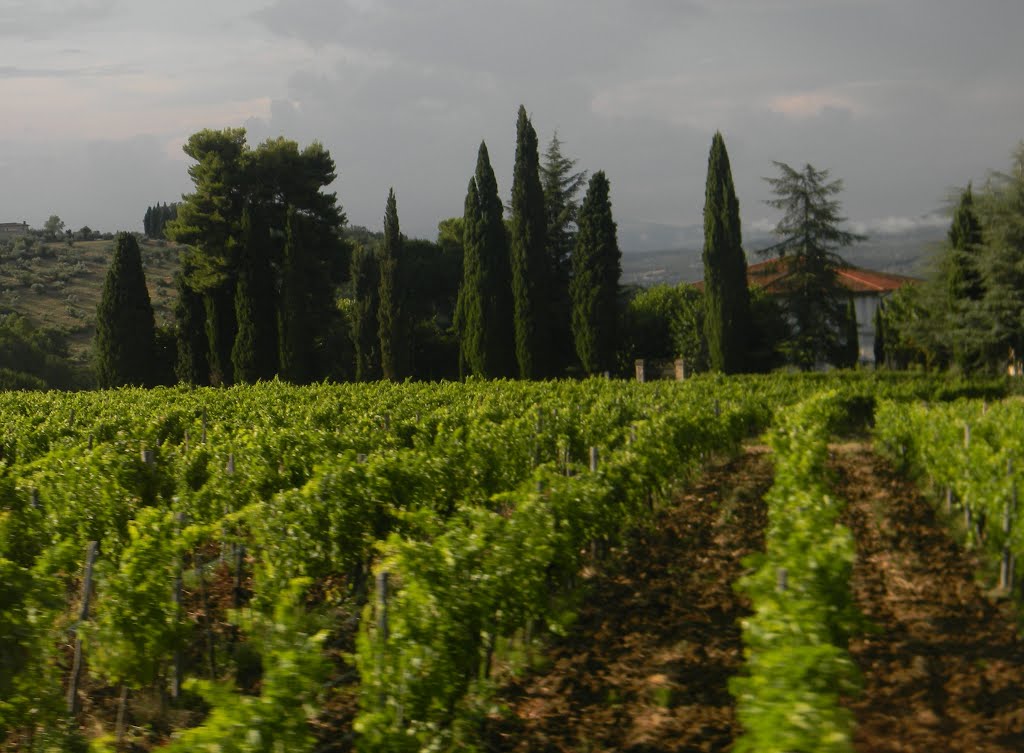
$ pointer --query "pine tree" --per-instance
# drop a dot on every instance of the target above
(532, 288)
(484, 311)
(193, 365)
(727, 321)
(963, 277)
(596, 269)
(394, 344)
(125, 328)
(562, 184)
(811, 237)
(365, 334)
(1001, 209)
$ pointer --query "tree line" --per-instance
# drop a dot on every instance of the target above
(258, 292)
(274, 284)
(969, 314)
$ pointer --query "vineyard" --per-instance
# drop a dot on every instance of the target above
(395, 567)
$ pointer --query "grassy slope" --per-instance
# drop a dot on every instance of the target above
(57, 285)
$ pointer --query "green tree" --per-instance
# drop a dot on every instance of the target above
(365, 328)
(727, 323)
(394, 346)
(254, 352)
(562, 185)
(271, 180)
(961, 327)
(192, 365)
(811, 238)
(209, 220)
(1001, 210)
(125, 328)
(851, 337)
(532, 288)
(484, 310)
(53, 227)
(294, 320)
(879, 324)
(596, 269)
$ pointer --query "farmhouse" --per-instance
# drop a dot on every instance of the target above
(10, 230)
(867, 288)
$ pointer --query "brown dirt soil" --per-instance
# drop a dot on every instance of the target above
(645, 668)
(945, 671)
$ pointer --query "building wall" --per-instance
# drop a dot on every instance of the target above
(865, 305)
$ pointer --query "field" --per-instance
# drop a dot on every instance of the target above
(763, 563)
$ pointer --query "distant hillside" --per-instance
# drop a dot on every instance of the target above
(59, 285)
(905, 253)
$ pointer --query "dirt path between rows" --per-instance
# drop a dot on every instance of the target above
(646, 666)
(945, 671)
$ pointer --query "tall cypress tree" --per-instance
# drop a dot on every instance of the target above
(469, 315)
(532, 288)
(851, 337)
(394, 346)
(484, 313)
(254, 354)
(365, 328)
(193, 365)
(596, 269)
(295, 329)
(125, 327)
(727, 321)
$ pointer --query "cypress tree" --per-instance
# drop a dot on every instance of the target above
(221, 328)
(880, 335)
(484, 312)
(193, 365)
(393, 343)
(596, 269)
(294, 326)
(727, 320)
(254, 354)
(366, 289)
(531, 269)
(469, 315)
(125, 327)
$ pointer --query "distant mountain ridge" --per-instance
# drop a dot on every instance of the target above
(904, 252)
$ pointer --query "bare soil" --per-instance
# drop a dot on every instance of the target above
(646, 666)
(945, 669)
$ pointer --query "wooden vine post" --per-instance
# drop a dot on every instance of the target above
(83, 614)
(1006, 564)
(180, 520)
(382, 628)
(967, 501)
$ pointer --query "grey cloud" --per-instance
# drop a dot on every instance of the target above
(49, 18)
(514, 38)
(15, 72)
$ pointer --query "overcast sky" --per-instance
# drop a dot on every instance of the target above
(902, 99)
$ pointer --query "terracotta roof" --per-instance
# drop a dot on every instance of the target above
(770, 275)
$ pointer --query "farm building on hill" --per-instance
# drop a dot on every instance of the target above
(13, 230)
(867, 288)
